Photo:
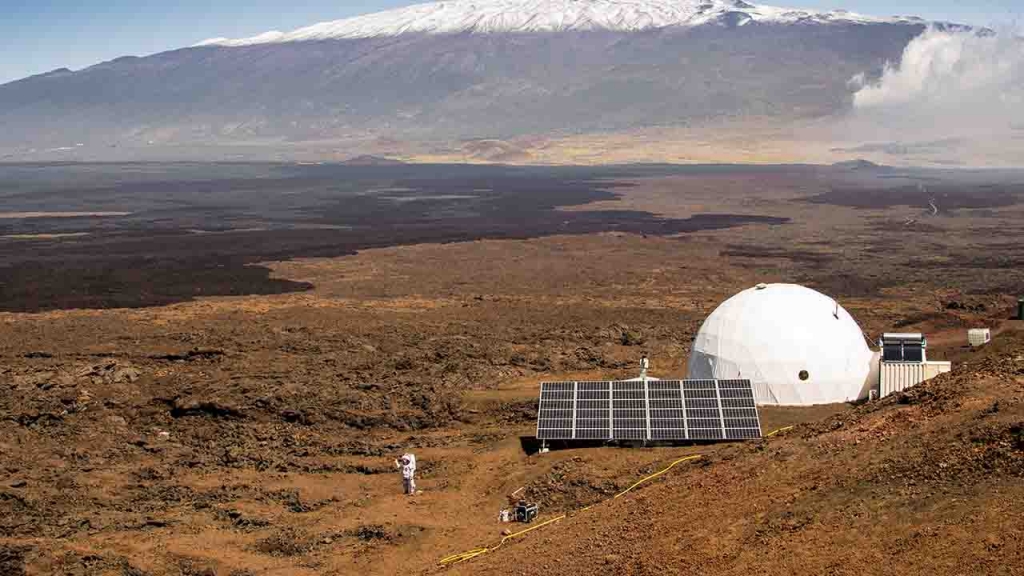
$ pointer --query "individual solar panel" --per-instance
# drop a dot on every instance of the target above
(703, 411)
(913, 354)
(739, 412)
(892, 352)
(593, 410)
(629, 411)
(668, 419)
(651, 410)
(556, 411)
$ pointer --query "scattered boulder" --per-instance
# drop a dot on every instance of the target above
(182, 407)
(190, 567)
(41, 379)
(125, 375)
(193, 354)
(12, 560)
(966, 306)
(287, 542)
(631, 338)
(35, 417)
(241, 521)
(117, 421)
(298, 417)
(374, 533)
(110, 372)
(622, 334)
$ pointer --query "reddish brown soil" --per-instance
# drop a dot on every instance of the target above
(254, 434)
(924, 482)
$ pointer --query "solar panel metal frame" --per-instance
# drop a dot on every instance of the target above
(648, 410)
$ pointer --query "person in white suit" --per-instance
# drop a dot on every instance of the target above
(407, 464)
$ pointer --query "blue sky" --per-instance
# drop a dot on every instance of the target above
(41, 35)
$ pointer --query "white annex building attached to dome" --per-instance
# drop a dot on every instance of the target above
(797, 346)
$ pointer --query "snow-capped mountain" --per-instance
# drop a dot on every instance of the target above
(466, 69)
(495, 16)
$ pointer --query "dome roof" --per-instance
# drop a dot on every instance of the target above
(797, 346)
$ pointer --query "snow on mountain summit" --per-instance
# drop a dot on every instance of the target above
(485, 16)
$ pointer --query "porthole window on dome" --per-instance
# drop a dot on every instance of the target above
(804, 375)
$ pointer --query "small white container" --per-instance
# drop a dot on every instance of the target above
(979, 336)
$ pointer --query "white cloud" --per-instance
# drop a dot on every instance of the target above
(954, 98)
(962, 80)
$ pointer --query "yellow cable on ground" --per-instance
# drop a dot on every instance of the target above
(655, 475)
(470, 554)
(774, 432)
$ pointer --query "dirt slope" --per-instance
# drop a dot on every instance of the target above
(255, 434)
(924, 482)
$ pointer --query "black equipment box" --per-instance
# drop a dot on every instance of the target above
(525, 512)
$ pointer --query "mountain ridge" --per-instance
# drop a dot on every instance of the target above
(490, 16)
(419, 86)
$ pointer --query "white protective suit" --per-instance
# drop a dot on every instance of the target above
(408, 467)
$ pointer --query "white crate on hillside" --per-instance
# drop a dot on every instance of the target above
(979, 336)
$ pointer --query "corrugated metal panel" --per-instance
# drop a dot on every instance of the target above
(933, 369)
(897, 376)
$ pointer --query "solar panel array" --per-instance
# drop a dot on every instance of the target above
(651, 410)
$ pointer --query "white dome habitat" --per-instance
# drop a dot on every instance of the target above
(797, 346)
